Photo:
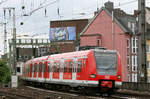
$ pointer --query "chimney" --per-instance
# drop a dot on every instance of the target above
(109, 5)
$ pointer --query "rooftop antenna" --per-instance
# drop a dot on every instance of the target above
(58, 10)
(97, 6)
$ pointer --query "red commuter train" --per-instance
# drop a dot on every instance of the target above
(90, 69)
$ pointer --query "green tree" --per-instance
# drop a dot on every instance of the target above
(5, 73)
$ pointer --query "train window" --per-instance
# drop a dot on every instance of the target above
(48, 69)
(61, 67)
(84, 62)
(79, 66)
(70, 67)
(27, 68)
(40, 67)
(58, 68)
(65, 67)
(44, 66)
(35, 67)
(55, 64)
(51, 67)
(74, 66)
(32, 67)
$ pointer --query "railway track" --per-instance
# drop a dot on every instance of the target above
(10, 95)
(76, 95)
(29, 92)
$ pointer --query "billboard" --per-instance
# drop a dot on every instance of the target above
(62, 33)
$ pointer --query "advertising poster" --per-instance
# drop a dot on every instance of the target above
(62, 33)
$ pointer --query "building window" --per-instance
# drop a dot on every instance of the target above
(148, 48)
(133, 27)
(134, 44)
(129, 24)
(148, 64)
(128, 46)
(149, 79)
(134, 63)
(129, 77)
(98, 42)
(128, 63)
(134, 77)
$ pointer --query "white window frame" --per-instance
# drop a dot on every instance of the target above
(148, 48)
(134, 47)
(134, 63)
(128, 46)
(148, 64)
(129, 24)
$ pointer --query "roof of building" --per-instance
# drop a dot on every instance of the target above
(68, 20)
(120, 17)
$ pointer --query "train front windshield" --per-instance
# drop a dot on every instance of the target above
(106, 63)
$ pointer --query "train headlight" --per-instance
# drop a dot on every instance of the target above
(119, 77)
(93, 76)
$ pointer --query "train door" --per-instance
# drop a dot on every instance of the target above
(37, 73)
(51, 69)
(35, 70)
(48, 69)
(68, 69)
(30, 74)
(32, 70)
(61, 70)
(25, 65)
(74, 74)
(65, 71)
(44, 69)
(56, 69)
(79, 69)
(40, 70)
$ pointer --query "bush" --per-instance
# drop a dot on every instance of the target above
(5, 73)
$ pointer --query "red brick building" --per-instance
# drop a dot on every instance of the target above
(63, 44)
(114, 29)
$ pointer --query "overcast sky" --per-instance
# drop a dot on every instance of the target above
(37, 22)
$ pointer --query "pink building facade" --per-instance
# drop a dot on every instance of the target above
(106, 30)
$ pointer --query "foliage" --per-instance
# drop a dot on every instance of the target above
(5, 73)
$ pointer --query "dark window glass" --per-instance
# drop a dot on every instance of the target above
(40, 67)
(58, 68)
(32, 67)
(70, 67)
(74, 66)
(61, 66)
(51, 67)
(35, 67)
(106, 63)
(55, 68)
(65, 67)
(84, 62)
(44, 66)
(48, 67)
(18, 69)
(79, 66)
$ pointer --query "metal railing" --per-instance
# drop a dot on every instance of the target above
(136, 86)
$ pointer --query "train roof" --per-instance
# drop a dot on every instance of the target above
(83, 53)
(70, 54)
(36, 59)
